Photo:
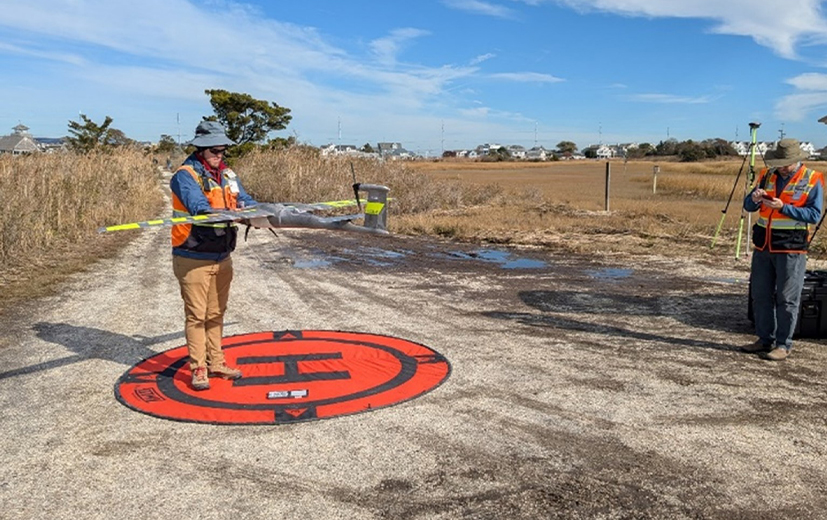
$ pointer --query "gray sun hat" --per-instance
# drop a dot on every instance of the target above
(787, 152)
(210, 133)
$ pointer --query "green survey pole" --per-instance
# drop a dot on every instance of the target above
(750, 179)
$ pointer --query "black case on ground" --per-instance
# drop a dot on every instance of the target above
(812, 313)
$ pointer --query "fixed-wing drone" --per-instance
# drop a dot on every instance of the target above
(291, 215)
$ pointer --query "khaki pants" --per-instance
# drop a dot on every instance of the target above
(205, 288)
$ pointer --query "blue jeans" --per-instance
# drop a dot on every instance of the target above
(777, 280)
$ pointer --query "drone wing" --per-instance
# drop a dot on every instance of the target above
(235, 216)
(286, 215)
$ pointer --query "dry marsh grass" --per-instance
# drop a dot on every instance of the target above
(52, 206)
(302, 175)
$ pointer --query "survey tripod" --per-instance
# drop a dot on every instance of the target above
(750, 180)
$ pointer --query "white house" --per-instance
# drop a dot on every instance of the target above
(605, 152)
(516, 151)
(393, 151)
(538, 153)
(743, 147)
(340, 149)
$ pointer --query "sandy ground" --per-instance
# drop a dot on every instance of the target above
(581, 388)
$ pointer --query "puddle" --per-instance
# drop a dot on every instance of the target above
(378, 257)
(611, 273)
(524, 263)
(316, 263)
(504, 258)
(382, 253)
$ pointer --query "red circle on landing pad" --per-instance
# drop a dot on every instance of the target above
(289, 376)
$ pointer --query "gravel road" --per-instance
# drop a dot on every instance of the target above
(580, 388)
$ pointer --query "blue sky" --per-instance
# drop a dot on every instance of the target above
(432, 74)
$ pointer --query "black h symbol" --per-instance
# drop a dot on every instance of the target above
(291, 370)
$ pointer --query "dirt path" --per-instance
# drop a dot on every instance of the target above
(579, 389)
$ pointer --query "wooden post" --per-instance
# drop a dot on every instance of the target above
(655, 170)
(608, 182)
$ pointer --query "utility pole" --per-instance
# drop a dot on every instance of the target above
(442, 139)
(781, 133)
(535, 134)
(178, 122)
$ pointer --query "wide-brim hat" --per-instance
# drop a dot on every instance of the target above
(787, 152)
(210, 133)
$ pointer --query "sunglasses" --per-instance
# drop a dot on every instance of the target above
(218, 151)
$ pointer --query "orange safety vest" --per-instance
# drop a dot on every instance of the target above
(211, 238)
(775, 231)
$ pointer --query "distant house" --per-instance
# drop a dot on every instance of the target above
(808, 147)
(339, 149)
(467, 154)
(487, 149)
(538, 153)
(20, 142)
(743, 147)
(605, 152)
(388, 148)
(393, 151)
(51, 144)
(516, 151)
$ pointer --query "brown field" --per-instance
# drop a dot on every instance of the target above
(564, 204)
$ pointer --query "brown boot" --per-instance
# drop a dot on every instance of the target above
(756, 347)
(777, 354)
(200, 381)
(227, 372)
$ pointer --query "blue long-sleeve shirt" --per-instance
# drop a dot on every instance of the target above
(809, 213)
(191, 195)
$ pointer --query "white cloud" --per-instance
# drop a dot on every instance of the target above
(387, 48)
(670, 98)
(292, 62)
(480, 7)
(482, 57)
(797, 106)
(781, 26)
(527, 77)
(809, 81)
(63, 57)
(478, 112)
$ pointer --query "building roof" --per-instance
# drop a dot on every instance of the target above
(17, 143)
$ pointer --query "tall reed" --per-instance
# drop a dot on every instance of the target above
(51, 201)
(301, 174)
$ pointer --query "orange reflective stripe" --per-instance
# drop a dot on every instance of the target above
(218, 197)
(795, 193)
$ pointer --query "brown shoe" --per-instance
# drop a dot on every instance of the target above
(756, 347)
(777, 354)
(225, 371)
(200, 381)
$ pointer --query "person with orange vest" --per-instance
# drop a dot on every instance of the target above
(789, 199)
(201, 252)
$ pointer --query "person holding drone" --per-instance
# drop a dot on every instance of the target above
(789, 199)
